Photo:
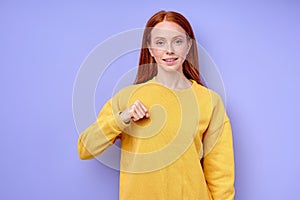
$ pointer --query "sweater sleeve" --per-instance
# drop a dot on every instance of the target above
(218, 160)
(102, 133)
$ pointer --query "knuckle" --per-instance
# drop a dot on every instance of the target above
(133, 107)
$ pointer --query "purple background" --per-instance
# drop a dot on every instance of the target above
(255, 45)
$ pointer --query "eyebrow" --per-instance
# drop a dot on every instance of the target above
(160, 37)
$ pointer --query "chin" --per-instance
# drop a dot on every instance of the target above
(170, 68)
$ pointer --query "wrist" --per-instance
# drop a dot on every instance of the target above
(125, 117)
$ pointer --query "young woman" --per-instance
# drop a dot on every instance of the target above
(176, 138)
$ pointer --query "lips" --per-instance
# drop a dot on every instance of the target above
(169, 59)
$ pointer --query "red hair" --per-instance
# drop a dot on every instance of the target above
(147, 66)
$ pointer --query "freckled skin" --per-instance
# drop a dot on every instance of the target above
(168, 40)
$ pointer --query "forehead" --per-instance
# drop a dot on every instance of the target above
(167, 29)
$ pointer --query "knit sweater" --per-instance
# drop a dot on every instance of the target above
(182, 151)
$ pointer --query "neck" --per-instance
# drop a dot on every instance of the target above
(172, 79)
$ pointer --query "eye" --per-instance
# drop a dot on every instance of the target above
(159, 43)
(178, 41)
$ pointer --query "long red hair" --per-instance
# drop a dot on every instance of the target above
(147, 66)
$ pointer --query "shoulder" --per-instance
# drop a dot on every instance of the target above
(206, 92)
(208, 97)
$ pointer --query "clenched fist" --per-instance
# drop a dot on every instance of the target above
(135, 112)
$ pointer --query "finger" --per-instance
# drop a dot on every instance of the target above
(140, 111)
(132, 111)
(143, 111)
(134, 114)
(135, 117)
(144, 108)
(147, 115)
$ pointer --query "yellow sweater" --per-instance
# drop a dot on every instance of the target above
(183, 151)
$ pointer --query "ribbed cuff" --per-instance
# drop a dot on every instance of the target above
(120, 123)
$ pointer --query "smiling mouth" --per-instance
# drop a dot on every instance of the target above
(170, 59)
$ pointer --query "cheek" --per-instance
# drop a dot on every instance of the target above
(182, 52)
(157, 52)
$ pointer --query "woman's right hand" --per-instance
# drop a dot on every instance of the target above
(135, 112)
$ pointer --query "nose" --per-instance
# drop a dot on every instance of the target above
(169, 49)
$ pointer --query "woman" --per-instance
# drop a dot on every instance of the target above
(175, 135)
